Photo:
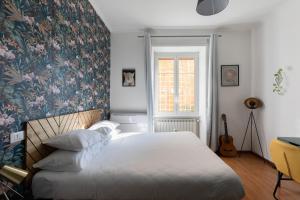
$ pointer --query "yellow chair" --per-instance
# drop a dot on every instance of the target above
(286, 158)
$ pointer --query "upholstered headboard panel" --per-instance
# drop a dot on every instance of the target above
(39, 130)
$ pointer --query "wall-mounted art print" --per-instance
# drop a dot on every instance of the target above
(279, 82)
(230, 75)
(128, 77)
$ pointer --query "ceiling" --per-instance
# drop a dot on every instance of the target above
(134, 15)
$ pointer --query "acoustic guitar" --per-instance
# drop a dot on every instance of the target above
(227, 148)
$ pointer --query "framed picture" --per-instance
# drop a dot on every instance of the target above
(230, 75)
(128, 77)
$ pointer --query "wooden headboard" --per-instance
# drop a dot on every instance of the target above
(39, 130)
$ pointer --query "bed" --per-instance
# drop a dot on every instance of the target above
(145, 166)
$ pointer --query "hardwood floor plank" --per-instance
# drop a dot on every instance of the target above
(259, 179)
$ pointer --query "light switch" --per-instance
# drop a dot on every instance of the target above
(16, 137)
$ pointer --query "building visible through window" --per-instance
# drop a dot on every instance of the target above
(175, 85)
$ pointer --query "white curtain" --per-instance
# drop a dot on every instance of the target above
(149, 80)
(212, 112)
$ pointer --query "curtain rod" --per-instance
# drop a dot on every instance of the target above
(177, 36)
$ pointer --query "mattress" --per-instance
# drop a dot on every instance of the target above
(146, 166)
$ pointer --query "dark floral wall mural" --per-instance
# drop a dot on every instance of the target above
(54, 59)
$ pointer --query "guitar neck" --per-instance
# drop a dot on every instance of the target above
(226, 129)
(225, 125)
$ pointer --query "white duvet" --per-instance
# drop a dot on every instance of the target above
(161, 166)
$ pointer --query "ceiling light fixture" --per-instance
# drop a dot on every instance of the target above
(211, 7)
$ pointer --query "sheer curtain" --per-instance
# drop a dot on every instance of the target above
(149, 80)
(212, 110)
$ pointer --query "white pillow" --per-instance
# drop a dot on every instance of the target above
(104, 130)
(108, 131)
(62, 161)
(76, 140)
(69, 161)
(105, 123)
(115, 132)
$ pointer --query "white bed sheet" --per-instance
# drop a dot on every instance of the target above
(146, 166)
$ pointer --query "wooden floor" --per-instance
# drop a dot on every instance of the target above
(259, 179)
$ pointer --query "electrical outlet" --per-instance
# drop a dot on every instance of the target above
(16, 137)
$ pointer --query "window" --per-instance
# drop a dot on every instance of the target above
(176, 80)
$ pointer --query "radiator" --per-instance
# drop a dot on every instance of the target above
(176, 124)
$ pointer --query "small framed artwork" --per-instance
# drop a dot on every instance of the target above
(230, 75)
(128, 77)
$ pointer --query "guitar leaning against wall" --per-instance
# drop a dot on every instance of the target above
(227, 148)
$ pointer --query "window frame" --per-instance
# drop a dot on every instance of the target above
(176, 56)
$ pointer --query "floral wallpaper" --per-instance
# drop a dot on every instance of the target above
(54, 59)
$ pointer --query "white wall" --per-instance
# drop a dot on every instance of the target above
(127, 51)
(275, 44)
(234, 48)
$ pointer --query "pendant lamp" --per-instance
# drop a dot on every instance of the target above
(211, 7)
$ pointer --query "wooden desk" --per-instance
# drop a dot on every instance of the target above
(291, 140)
